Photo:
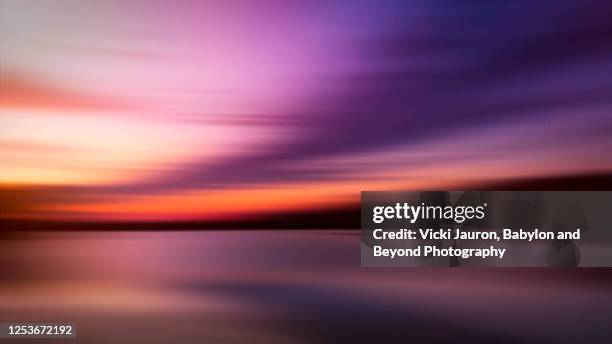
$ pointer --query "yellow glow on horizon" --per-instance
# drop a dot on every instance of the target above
(59, 148)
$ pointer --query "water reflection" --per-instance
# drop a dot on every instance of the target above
(283, 286)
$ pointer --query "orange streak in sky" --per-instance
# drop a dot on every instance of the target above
(224, 204)
(18, 91)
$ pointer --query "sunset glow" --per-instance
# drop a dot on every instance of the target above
(204, 110)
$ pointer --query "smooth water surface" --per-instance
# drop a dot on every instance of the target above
(280, 287)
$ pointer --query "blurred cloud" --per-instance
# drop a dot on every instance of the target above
(193, 99)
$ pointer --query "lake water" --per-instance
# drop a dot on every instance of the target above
(281, 287)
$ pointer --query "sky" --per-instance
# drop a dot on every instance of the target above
(175, 110)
